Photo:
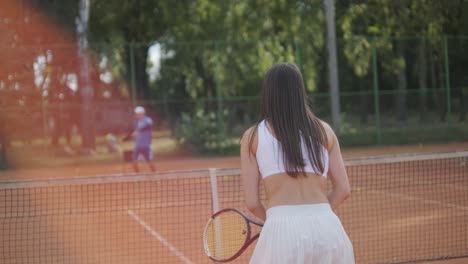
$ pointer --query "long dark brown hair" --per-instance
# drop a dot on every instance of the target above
(285, 107)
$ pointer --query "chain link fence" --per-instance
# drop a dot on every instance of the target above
(392, 90)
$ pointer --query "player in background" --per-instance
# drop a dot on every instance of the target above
(143, 134)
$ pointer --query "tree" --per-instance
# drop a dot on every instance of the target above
(133, 25)
(386, 25)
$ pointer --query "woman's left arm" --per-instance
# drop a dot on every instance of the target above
(251, 176)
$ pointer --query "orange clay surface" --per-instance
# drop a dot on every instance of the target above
(162, 221)
(193, 163)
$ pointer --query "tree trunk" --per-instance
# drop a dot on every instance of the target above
(137, 70)
(434, 84)
(333, 65)
(3, 157)
(422, 80)
(209, 83)
(443, 95)
(400, 98)
(3, 145)
(141, 75)
(463, 104)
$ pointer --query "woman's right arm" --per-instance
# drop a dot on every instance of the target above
(337, 172)
(250, 175)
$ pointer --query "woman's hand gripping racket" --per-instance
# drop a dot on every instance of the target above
(227, 234)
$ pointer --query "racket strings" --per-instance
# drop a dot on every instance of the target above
(225, 235)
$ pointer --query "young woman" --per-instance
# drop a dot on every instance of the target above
(294, 152)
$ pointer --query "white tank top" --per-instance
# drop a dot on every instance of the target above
(270, 158)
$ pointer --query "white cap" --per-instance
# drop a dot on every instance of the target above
(139, 110)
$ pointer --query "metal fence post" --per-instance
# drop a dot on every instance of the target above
(132, 73)
(297, 53)
(166, 108)
(447, 80)
(378, 129)
(44, 119)
(219, 95)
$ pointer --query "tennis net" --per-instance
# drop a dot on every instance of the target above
(402, 209)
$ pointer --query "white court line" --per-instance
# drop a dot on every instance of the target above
(160, 238)
(428, 201)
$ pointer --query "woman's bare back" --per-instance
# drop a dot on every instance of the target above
(281, 189)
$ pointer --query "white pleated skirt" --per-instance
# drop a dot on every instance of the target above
(296, 234)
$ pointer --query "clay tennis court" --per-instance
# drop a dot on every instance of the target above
(192, 163)
(406, 210)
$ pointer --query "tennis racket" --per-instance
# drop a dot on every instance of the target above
(227, 234)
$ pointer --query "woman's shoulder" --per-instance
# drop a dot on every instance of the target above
(249, 133)
(326, 126)
(250, 138)
(331, 136)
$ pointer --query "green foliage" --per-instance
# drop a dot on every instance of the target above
(230, 44)
(406, 136)
(201, 131)
(214, 49)
(215, 45)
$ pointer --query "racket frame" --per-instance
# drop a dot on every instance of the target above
(249, 240)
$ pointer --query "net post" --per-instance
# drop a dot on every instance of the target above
(215, 208)
(214, 190)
